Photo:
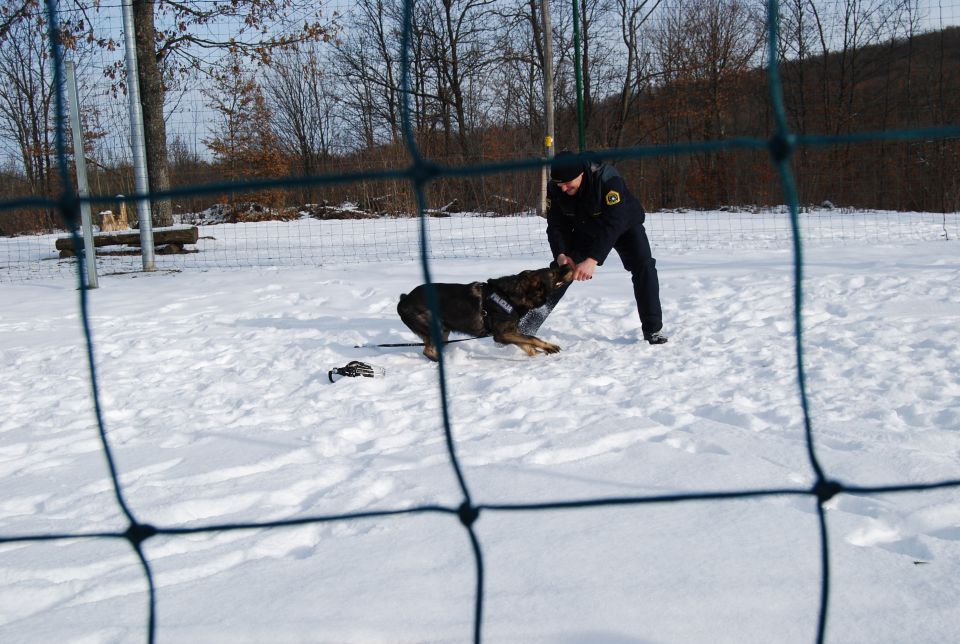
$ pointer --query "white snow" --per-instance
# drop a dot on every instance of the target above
(217, 406)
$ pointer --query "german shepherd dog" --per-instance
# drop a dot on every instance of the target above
(481, 309)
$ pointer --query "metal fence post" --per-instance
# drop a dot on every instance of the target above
(548, 138)
(83, 188)
(137, 139)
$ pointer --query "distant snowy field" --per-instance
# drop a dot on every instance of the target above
(217, 404)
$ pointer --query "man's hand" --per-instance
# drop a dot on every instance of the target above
(584, 270)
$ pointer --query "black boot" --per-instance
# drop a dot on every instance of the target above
(656, 337)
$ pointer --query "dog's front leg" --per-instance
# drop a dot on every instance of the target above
(529, 343)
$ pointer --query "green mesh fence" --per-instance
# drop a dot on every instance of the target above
(420, 172)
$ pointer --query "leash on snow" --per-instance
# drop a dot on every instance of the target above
(409, 344)
(356, 369)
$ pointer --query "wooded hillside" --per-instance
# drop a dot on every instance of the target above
(654, 77)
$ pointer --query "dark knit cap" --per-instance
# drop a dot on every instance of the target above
(565, 167)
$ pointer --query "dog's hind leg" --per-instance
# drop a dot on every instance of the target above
(430, 349)
(418, 321)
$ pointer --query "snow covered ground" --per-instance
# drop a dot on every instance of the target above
(217, 404)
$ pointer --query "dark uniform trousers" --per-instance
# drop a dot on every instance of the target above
(633, 247)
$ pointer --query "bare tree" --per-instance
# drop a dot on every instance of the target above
(27, 90)
(25, 102)
(795, 44)
(706, 49)
(367, 58)
(173, 37)
(601, 67)
(517, 85)
(459, 45)
(12, 13)
(304, 107)
(633, 16)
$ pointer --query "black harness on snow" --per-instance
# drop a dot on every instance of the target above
(496, 307)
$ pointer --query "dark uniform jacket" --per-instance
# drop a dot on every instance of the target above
(589, 223)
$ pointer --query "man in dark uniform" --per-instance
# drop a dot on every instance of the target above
(589, 213)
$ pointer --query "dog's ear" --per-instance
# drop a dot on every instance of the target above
(502, 284)
(514, 286)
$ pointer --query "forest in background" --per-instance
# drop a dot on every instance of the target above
(654, 74)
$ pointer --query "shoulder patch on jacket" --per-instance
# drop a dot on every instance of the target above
(612, 198)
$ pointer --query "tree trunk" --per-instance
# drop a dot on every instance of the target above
(152, 94)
